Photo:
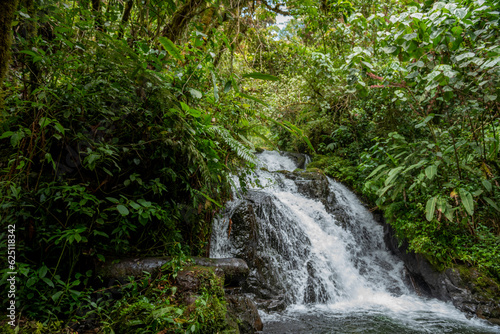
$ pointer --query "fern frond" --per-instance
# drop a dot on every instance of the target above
(241, 151)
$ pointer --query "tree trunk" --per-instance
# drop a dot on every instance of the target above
(8, 7)
(31, 32)
(96, 9)
(126, 16)
(181, 18)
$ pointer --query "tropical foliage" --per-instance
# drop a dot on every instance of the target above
(123, 121)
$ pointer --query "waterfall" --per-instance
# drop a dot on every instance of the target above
(314, 249)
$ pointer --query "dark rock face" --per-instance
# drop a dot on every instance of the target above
(264, 278)
(299, 158)
(312, 185)
(315, 291)
(464, 287)
(244, 310)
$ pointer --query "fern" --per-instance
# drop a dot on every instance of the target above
(240, 150)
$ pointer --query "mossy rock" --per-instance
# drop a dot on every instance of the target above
(195, 278)
(259, 150)
(479, 283)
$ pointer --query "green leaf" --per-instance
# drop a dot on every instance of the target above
(228, 86)
(393, 174)
(194, 112)
(48, 282)
(487, 185)
(216, 90)
(209, 198)
(101, 233)
(122, 210)
(382, 191)
(112, 199)
(460, 12)
(59, 127)
(425, 121)
(389, 49)
(375, 171)
(410, 36)
(195, 93)
(44, 121)
(465, 55)
(56, 296)
(171, 48)
(184, 106)
(6, 134)
(261, 76)
(457, 31)
(78, 237)
(430, 207)
(43, 271)
(492, 203)
(467, 201)
(431, 171)
(246, 96)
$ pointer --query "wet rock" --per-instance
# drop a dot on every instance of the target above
(243, 309)
(272, 305)
(300, 159)
(495, 321)
(235, 270)
(186, 280)
(244, 231)
(192, 280)
(465, 287)
(315, 291)
(311, 184)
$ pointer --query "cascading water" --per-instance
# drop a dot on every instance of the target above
(314, 248)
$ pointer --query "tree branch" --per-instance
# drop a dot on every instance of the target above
(276, 8)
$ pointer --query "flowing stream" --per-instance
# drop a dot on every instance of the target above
(328, 259)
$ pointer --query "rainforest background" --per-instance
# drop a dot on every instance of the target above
(122, 122)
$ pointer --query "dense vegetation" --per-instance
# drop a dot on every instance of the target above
(122, 122)
(408, 108)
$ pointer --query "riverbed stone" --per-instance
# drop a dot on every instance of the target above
(243, 308)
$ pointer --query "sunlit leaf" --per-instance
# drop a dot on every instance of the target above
(430, 207)
(261, 76)
(171, 48)
(122, 210)
(467, 201)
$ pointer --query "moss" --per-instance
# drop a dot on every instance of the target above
(210, 307)
(479, 282)
(6, 17)
(209, 280)
(320, 161)
(162, 307)
(259, 150)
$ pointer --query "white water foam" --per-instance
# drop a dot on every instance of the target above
(353, 272)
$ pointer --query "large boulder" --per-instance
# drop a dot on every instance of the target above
(465, 287)
(243, 309)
